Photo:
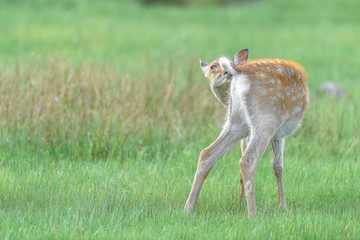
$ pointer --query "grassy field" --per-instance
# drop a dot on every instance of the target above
(104, 110)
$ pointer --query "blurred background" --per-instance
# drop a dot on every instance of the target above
(104, 110)
(94, 73)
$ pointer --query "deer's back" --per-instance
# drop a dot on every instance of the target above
(276, 88)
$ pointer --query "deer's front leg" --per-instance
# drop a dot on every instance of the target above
(209, 156)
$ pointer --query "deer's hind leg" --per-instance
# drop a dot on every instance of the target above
(244, 143)
(277, 165)
(258, 141)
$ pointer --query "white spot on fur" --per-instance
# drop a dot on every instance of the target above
(263, 91)
(299, 77)
(280, 70)
(288, 73)
(297, 109)
(272, 80)
(277, 110)
(293, 98)
(278, 61)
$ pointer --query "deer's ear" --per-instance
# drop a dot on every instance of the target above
(203, 66)
(241, 57)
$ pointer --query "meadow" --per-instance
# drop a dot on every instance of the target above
(104, 111)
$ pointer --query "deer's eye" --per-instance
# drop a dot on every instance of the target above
(212, 67)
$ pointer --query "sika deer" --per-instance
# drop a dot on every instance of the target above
(266, 100)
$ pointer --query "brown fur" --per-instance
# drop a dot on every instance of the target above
(290, 83)
(277, 83)
(266, 100)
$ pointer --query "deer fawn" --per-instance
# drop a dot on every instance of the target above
(266, 100)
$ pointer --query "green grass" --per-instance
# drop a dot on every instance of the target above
(104, 110)
(144, 199)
